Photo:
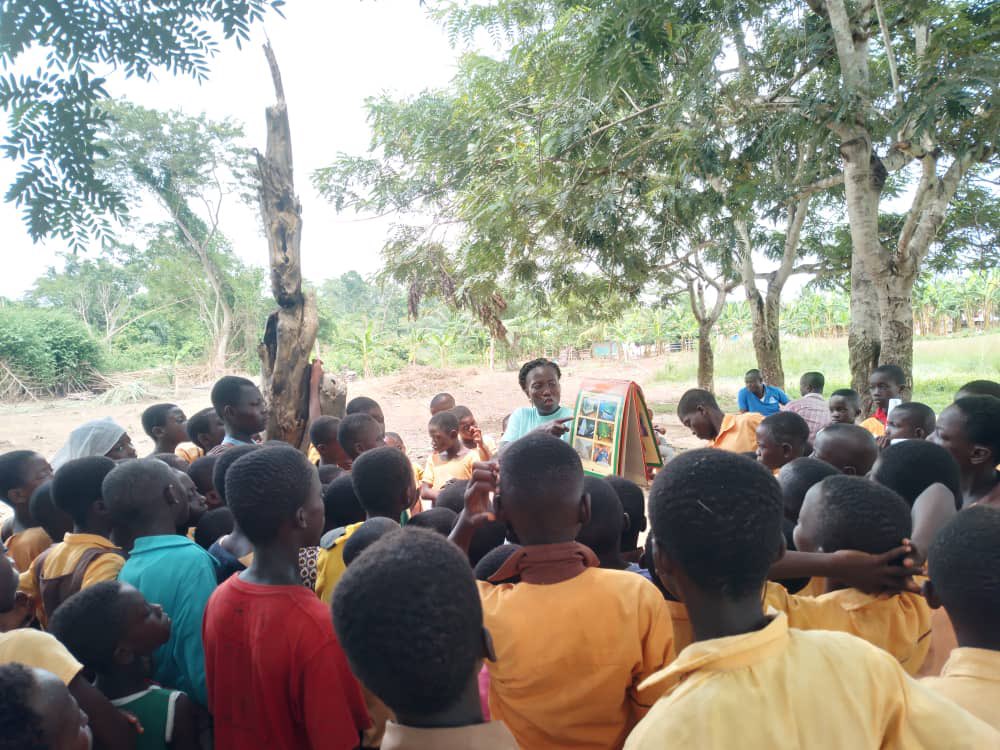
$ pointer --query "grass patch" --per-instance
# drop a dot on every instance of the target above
(940, 365)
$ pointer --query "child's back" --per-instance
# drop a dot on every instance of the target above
(848, 513)
(277, 677)
(573, 641)
(749, 680)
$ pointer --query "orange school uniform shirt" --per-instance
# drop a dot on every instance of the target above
(573, 642)
(784, 689)
(62, 560)
(897, 623)
(25, 546)
(873, 426)
(971, 678)
(438, 473)
(738, 432)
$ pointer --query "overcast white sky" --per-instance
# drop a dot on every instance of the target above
(333, 54)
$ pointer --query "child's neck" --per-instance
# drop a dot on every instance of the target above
(466, 711)
(978, 484)
(165, 447)
(716, 616)
(94, 529)
(454, 451)
(124, 681)
(22, 519)
(274, 564)
(612, 559)
(233, 434)
(977, 637)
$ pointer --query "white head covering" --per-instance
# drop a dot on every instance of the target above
(93, 438)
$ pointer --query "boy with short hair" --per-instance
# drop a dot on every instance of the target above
(205, 431)
(21, 473)
(450, 458)
(442, 402)
(358, 433)
(634, 504)
(887, 382)
(845, 406)
(298, 692)
(979, 388)
(113, 631)
(912, 466)
(365, 405)
(84, 557)
(603, 532)
(421, 583)
(323, 436)
(487, 536)
(240, 405)
(574, 642)
(201, 471)
(473, 437)
(39, 713)
(757, 396)
(383, 483)
(395, 440)
(812, 407)
(781, 438)
(964, 567)
(166, 426)
(849, 448)
(232, 552)
(750, 680)
(56, 522)
(851, 513)
(796, 479)
(699, 412)
(909, 421)
(970, 430)
(145, 500)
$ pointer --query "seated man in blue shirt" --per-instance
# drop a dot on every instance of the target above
(760, 397)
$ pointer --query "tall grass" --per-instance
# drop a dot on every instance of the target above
(940, 365)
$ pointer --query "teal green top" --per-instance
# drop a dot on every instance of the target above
(154, 707)
(527, 418)
(177, 574)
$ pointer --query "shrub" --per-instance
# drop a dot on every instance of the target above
(47, 349)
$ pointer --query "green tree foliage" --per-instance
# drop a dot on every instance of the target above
(44, 351)
(55, 114)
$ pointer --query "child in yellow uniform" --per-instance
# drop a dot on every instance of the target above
(781, 438)
(846, 513)
(450, 459)
(964, 564)
(21, 473)
(473, 437)
(699, 412)
(573, 640)
(750, 681)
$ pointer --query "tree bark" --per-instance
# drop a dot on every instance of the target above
(291, 330)
(706, 357)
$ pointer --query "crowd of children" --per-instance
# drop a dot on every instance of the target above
(806, 580)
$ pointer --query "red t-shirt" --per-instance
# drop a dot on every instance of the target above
(277, 677)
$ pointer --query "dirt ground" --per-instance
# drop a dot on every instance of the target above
(404, 397)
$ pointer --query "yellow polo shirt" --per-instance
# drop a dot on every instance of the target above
(738, 432)
(897, 623)
(971, 678)
(39, 650)
(330, 564)
(438, 473)
(782, 689)
(571, 655)
(62, 560)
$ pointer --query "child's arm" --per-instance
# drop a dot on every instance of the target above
(427, 492)
(186, 721)
(890, 571)
(478, 509)
(484, 452)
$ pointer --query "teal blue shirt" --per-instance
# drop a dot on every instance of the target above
(174, 572)
(527, 418)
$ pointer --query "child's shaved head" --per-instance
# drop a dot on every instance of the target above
(910, 421)
(964, 567)
(442, 402)
(910, 467)
(602, 533)
(796, 479)
(541, 490)
(852, 513)
(724, 541)
(420, 584)
(140, 492)
(847, 447)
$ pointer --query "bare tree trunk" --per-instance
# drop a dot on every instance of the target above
(706, 357)
(291, 329)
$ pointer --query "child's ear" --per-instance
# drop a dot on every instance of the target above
(213, 499)
(17, 496)
(585, 508)
(786, 450)
(920, 433)
(981, 454)
(158, 432)
(930, 594)
(300, 518)
(850, 471)
(627, 520)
